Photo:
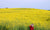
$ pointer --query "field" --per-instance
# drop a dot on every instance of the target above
(22, 18)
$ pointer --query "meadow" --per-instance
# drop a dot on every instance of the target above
(22, 18)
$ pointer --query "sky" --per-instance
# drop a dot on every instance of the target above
(38, 4)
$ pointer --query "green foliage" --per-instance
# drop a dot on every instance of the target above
(3, 27)
(0, 27)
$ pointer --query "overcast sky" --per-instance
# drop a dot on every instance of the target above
(38, 4)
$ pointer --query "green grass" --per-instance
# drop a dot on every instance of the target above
(22, 27)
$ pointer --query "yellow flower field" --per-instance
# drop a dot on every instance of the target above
(12, 17)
